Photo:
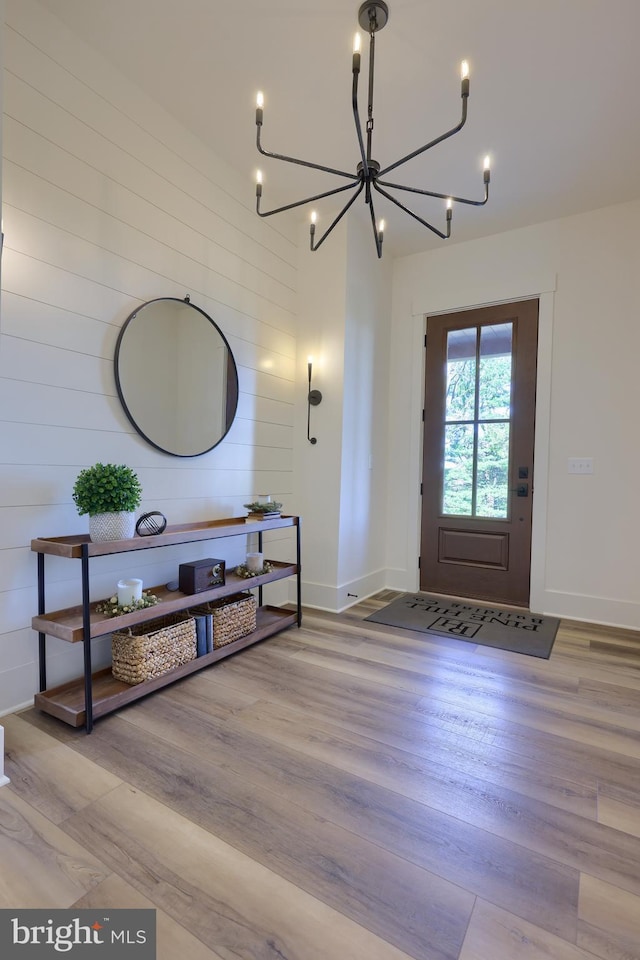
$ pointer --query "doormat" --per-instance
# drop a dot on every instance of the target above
(524, 633)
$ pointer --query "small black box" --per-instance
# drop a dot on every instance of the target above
(200, 575)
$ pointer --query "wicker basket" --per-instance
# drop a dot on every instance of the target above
(232, 618)
(151, 649)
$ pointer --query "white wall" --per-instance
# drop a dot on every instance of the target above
(586, 528)
(344, 312)
(108, 203)
(362, 567)
(317, 467)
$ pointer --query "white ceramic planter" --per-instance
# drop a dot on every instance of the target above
(112, 526)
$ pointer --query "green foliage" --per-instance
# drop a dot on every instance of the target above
(107, 488)
(259, 506)
(112, 609)
(491, 443)
(241, 570)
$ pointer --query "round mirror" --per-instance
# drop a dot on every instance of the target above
(176, 377)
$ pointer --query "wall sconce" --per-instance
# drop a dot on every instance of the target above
(313, 399)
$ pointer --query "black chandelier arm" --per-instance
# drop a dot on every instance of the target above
(433, 143)
(300, 203)
(312, 229)
(425, 223)
(372, 55)
(377, 236)
(439, 196)
(356, 114)
(301, 163)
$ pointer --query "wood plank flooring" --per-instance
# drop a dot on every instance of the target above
(351, 791)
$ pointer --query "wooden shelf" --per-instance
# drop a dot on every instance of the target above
(71, 547)
(67, 624)
(66, 702)
(94, 695)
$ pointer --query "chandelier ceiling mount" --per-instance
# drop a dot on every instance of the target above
(372, 17)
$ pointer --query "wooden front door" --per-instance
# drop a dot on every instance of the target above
(479, 417)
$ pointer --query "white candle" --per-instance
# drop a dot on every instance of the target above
(255, 562)
(129, 591)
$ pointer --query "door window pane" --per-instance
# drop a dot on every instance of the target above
(457, 498)
(461, 374)
(492, 474)
(477, 421)
(494, 388)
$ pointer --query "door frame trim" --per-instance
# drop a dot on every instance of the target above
(541, 434)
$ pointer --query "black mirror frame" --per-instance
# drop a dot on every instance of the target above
(232, 394)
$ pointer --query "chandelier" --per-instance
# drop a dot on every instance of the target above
(372, 16)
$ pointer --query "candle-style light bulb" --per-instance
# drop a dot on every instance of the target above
(309, 367)
(259, 106)
(312, 231)
(259, 176)
(314, 216)
(381, 230)
(464, 76)
(356, 53)
(487, 168)
(258, 183)
(449, 206)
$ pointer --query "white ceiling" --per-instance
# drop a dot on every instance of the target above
(553, 96)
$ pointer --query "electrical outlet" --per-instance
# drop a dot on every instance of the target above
(581, 465)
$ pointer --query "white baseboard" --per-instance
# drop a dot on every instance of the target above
(603, 611)
(16, 708)
(335, 599)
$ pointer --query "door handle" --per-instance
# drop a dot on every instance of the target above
(522, 490)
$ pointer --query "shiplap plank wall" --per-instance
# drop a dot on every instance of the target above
(107, 203)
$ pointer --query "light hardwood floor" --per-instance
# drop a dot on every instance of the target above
(350, 791)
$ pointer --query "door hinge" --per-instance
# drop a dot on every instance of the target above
(425, 339)
(421, 489)
(419, 563)
(423, 414)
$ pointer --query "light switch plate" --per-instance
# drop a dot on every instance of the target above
(581, 465)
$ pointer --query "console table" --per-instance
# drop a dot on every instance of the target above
(93, 695)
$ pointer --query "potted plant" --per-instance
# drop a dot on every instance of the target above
(109, 493)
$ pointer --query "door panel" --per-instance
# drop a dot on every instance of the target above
(478, 452)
